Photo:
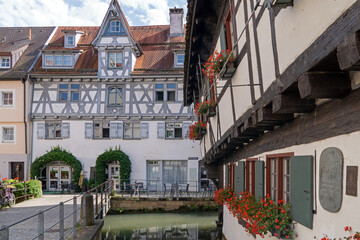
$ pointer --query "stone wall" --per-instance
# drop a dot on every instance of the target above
(167, 204)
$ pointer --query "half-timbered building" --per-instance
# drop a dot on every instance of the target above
(19, 48)
(286, 121)
(96, 88)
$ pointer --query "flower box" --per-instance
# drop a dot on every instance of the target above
(229, 70)
(211, 112)
(277, 233)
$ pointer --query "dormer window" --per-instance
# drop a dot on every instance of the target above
(58, 60)
(115, 26)
(115, 60)
(69, 41)
(179, 59)
(5, 62)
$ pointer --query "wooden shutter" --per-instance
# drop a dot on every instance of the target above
(259, 179)
(65, 130)
(89, 130)
(222, 38)
(161, 129)
(301, 189)
(120, 129)
(144, 130)
(113, 130)
(185, 129)
(41, 130)
(226, 175)
(239, 177)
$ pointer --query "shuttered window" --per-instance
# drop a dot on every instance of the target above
(250, 175)
(239, 177)
(278, 176)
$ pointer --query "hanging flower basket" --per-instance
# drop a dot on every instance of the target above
(207, 107)
(229, 71)
(216, 62)
(211, 112)
(197, 130)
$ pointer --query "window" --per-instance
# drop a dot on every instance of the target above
(175, 172)
(58, 60)
(132, 130)
(171, 87)
(115, 98)
(232, 175)
(168, 93)
(70, 40)
(5, 62)
(226, 33)
(173, 130)
(278, 176)
(73, 92)
(49, 60)
(8, 134)
(159, 92)
(179, 59)
(52, 130)
(250, 175)
(115, 60)
(115, 26)
(7, 99)
(101, 130)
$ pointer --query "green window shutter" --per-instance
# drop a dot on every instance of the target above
(259, 179)
(301, 189)
(222, 38)
(226, 175)
(239, 177)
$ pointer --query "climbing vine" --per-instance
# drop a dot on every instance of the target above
(108, 156)
(56, 154)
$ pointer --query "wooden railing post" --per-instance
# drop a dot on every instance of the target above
(101, 200)
(96, 201)
(41, 225)
(25, 190)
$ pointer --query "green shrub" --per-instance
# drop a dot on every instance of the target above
(112, 156)
(33, 187)
(57, 154)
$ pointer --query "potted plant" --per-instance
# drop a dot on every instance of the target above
(207, 108)
(197, 130)
(215, 63)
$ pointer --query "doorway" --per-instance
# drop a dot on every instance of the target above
(114, 173)
(59, 176)
(17, 170)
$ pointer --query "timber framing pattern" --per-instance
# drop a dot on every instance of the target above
(322, 71)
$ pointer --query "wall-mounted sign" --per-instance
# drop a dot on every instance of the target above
(351, 180)
(193, 158)
(331, 178)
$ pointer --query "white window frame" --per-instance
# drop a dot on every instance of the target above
(2, 94)
(67, 44)
(165, 89)
(69, 90)
(176, 62)
(119, 89)
(53, 129)
(1, 62)
(173, 130)
(122, 60)
(61, 64)
(132, 127)
(3, 133)
(115, 27)
(101, 126)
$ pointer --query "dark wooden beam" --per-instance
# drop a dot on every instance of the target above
(324, 85)
(292, 103)
(266, 116)
(348, 52)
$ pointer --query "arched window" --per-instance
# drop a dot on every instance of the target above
(115, 26)
(115, 96)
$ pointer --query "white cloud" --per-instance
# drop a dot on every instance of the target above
(82, 12)
(51, 13)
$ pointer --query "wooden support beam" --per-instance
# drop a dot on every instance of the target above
(292, 103)
(266, 116)
(348, 52)
(324, 85)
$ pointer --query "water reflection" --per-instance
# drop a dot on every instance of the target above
(190, 226)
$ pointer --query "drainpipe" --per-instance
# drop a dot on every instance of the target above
(31, 82)
(26, 177)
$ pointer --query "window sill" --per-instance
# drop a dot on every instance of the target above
(54, 138)
(5, 141)
(175, 138)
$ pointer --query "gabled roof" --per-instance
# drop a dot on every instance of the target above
(16, 38)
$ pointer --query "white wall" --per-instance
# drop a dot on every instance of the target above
(324, 222)
(139, 151)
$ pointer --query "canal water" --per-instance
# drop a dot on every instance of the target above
(153, 226)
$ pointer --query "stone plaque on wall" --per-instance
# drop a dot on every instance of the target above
(331, 178)
(351, 180)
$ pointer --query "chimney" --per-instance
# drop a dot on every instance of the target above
(176, 22)
(29, 33)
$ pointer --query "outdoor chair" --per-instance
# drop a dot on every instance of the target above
(127, 189)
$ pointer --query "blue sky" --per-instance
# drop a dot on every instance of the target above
(83, 12)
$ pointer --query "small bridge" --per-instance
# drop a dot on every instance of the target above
(55, 216)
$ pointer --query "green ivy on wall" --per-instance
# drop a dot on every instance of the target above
(108, 156)
(56, 154)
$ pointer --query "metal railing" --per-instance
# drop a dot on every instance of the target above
(76, 217)
(161, 188)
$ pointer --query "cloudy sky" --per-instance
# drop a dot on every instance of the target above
(83, 12)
